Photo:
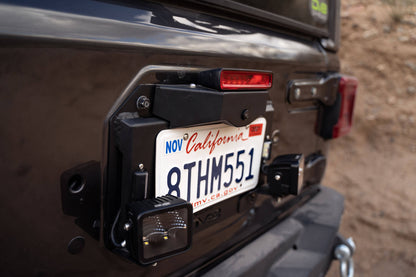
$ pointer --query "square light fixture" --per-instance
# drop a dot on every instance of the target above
(160, 228)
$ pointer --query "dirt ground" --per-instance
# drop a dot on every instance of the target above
(375, 165)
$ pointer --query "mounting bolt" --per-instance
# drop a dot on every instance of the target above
(192, 86)
(96, 224)
(141, 166)
(342, 252)
(127, 226)
(185, 136)
(277, 177)
(313, 91)
(275, 136)
(297, 93)
(76, 245)
(123, 243)
(245, 114)
(143, 103)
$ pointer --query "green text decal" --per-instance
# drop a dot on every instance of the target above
(320, 7)
(319, 10)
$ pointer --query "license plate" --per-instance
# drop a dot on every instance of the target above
(208, 164)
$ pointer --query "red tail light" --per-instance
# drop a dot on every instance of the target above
(245, 80)
(347, 90)
(336, 120)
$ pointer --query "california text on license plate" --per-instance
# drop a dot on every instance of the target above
(208, 164)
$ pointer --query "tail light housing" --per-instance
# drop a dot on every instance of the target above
(236, 79)
(336, 120)
(347, 90)
(243, 80)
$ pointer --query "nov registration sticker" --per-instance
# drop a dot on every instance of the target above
(208, 164)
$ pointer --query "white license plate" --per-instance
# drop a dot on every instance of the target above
(208, 164)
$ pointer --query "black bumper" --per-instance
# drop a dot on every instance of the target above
(301, 245)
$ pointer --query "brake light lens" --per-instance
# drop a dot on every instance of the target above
(347, 90)
(245, 80)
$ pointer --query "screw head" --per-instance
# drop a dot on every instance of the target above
(277, 177)
(185, 136)
(245, 114)
(127, 226)
(192, 85)
(143, 103)
(123, 243)
(275, 136)
(141, 166)
(297, 93)
(313, 91)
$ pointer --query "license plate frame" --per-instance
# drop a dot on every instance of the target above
(209, 164)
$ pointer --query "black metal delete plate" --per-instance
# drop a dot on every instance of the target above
(183, 105)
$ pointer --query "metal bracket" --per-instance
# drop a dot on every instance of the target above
(80, 194)
(323, 90)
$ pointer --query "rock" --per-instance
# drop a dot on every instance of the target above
(370, 34)
(380, 67)
(408, 22)
(410, 65)
(371, 117)
(402, 118)
(411, 90)
(345, 15)
(391, 100)
(410, 79)
(386, 29)
(404, 39)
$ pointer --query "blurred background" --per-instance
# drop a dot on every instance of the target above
(375, 165)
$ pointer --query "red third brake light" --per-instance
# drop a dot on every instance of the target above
(347, 89)
(245, 80)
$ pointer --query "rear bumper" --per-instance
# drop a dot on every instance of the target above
(301, 245)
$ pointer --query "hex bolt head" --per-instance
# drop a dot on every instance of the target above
(127, 226)
(143, 103)
(123, 243)
(245, 114)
